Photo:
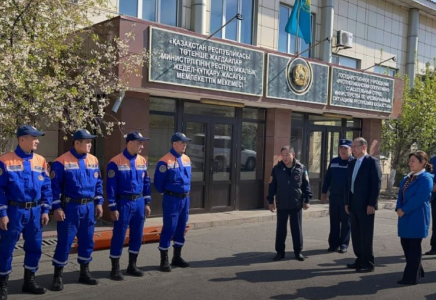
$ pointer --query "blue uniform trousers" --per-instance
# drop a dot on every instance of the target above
(132, 215)
(80, 221)
(339, 223)
(413, 253)
(295, 217)
(175, 217)
(28, 222)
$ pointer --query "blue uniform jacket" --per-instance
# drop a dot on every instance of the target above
(415, 205)
(127, 175)
(76, 176)
(433, 162)
(24, 178)
(335, 178)
(173, 173)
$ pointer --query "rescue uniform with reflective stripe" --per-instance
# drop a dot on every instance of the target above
(76, 176)
(23, 179)
(128, 191)
(173, 175)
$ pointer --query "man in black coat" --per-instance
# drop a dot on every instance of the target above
(289, 183)
(361, 196)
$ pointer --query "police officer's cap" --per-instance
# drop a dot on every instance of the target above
(345, 143)
(178, 136)
(82, 134)
(28, 130)
(135, 136)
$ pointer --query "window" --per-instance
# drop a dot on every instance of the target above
(223, 10)
(287, 42)
(346, 61)
(385, 71)
(161, 11)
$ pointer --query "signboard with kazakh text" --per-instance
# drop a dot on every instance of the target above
(181, 59)
(360, 90)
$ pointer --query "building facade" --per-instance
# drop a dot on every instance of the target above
(242, 93)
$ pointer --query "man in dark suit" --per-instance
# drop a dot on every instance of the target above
(361, 196)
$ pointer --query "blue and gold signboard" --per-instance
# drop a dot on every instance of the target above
(180, 59)
(360, 90)
(297, 79)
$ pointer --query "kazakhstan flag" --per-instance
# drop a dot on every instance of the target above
(299, 23)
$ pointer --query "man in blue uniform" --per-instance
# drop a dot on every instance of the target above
(289, 184)
(433, 211)
(128, 194)
(172, 178)
(335, 181)
(77, 187)
(25, 200)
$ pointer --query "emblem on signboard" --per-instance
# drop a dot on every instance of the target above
(299, 75)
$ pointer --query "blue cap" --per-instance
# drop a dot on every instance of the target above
(345, 143)
(178, 136)
(135, 136)
(82, 134)
(28, 130)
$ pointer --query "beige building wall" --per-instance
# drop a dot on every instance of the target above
(380, 28)
(426, 42)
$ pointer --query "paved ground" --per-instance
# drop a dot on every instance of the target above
(234, 262)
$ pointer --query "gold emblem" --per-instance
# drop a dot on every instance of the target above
(52, 174)
(162, 169)
(301, 75)
(111, 174)
(95, 174)
(41, 178)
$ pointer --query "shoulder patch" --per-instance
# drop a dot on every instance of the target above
(162, 169)
(1, 172)
(41, 178)
(52, 174)
(95, 174)
(111, 174)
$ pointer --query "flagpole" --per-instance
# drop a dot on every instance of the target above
(297, 42)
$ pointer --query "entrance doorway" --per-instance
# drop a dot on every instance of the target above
(315, 139)
(213, 162)
(323, 146)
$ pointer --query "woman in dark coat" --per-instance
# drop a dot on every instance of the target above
(413, 210)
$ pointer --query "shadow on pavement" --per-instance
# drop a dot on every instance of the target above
(367, 285)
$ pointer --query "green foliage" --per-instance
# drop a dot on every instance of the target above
(416, 125)
(55, 68)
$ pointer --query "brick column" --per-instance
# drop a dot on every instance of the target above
(278, 134)
(371, 131)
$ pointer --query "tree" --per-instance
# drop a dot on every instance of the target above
(56, 68)
(415, 126)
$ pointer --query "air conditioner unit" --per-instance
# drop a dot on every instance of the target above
(344, 39)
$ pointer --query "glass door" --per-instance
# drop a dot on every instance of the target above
(213, 162)
(222, 166)
(323, 146)
(196, 150)
(315, 161)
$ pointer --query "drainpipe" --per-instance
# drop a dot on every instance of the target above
(327, 17)
(198, 16)
(412, 45)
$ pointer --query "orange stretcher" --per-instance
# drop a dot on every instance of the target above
(102, 240)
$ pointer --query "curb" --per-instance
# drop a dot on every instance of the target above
(315, 211)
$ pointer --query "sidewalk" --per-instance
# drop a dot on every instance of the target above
(197, 221)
